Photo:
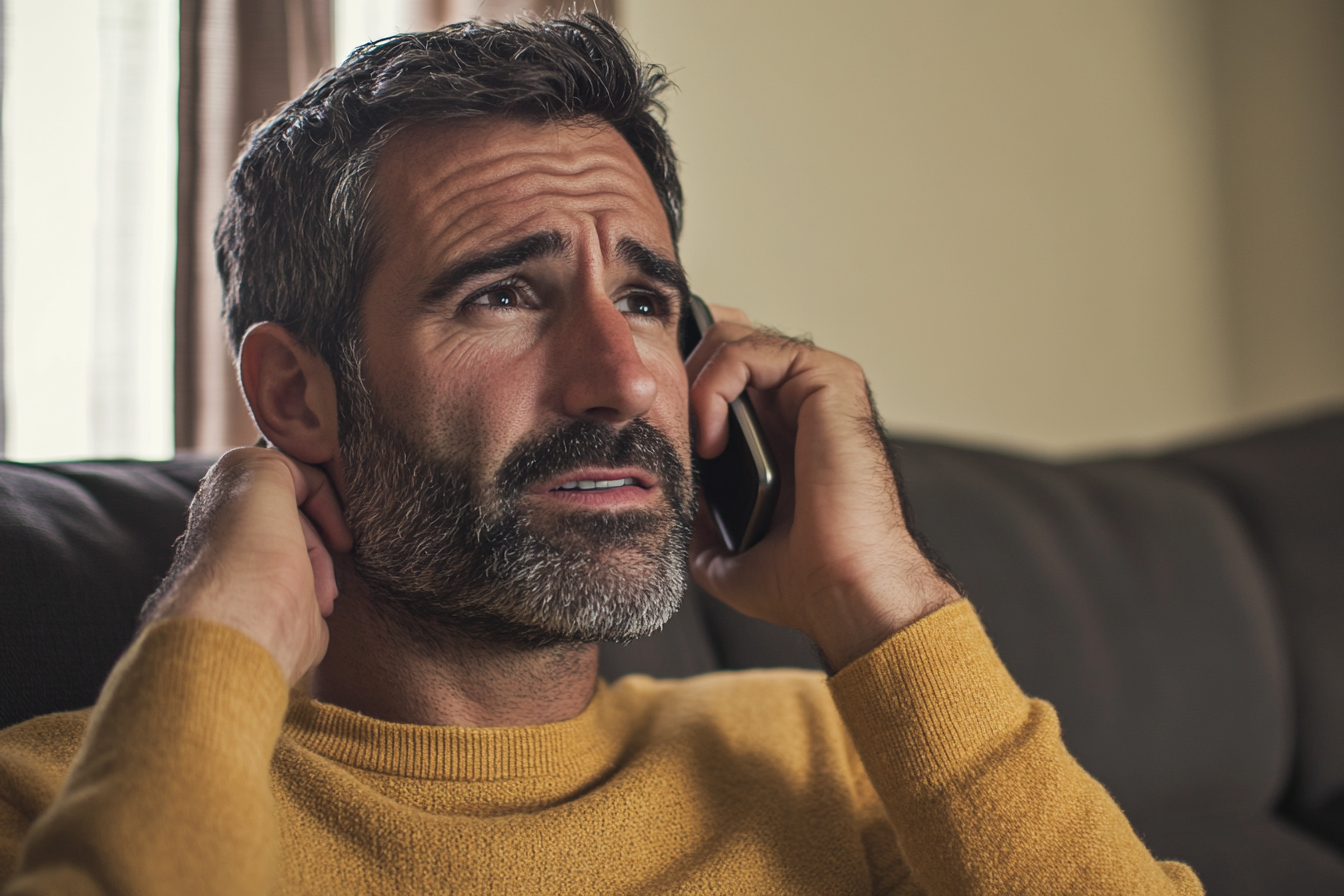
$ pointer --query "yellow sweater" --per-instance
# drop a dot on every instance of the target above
(198, 773)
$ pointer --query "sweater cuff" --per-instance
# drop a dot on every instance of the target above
(931, 699)
(194, 685)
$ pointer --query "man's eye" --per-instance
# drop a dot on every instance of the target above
(498, 297)
(646, 306)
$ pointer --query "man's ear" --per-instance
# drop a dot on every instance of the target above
(291, 392)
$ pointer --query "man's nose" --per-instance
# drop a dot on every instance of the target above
(602, 374)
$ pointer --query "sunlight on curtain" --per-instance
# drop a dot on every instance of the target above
(90, 123)
(359, 21)
(355, 22)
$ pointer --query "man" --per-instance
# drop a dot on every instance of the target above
(453, 288)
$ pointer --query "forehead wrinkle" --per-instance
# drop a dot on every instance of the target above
(534, 196)
(546, 144)
(489, 164)
(523, 215)
(597, 184)
(513, 172)
(426, 159)
(457, 202)
(561, 164)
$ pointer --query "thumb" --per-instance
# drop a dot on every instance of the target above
(707, 551)
(740, 580)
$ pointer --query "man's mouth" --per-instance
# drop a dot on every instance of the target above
(591, 485)
(599, 488)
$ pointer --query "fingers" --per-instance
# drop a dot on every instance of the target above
(729, 314)
(314, 502)
(324, 572)
(323, 523)
(710, 397)
(706, 548)
(733, 356)
(736, 579)
(730, 358)
(319, 502)
(314, 494)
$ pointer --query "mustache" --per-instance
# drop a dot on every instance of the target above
(587, 443)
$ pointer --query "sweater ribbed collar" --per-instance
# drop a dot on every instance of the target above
(581, 746)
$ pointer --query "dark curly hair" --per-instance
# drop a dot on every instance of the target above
(295, 242)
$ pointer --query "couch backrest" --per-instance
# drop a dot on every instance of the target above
(1288, 488)
(81, 547)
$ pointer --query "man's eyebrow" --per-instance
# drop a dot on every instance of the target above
(654, 266)
(540, 245)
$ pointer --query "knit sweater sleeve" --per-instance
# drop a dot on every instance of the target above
(976, 780)
(170, 791)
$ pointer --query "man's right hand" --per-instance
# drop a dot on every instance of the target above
(252, 557)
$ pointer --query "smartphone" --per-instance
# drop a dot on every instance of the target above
(741, 485)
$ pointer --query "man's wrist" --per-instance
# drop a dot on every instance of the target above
(860, 620)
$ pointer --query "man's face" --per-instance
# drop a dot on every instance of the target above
(517, 462)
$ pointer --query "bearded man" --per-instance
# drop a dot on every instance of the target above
(453, 289)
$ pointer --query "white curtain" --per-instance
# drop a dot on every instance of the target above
(131, 376)
(358, 21)
(89, 158)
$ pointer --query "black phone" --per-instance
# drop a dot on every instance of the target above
(741, 485)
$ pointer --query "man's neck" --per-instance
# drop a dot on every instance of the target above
(374, 668)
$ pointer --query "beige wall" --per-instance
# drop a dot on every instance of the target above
(1015, 215)
(1280, 67)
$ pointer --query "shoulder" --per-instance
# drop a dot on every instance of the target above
(50, 740)
(764, 738)
(36, 755)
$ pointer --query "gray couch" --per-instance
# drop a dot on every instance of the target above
(1183, 611)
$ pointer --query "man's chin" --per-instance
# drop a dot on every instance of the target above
(599, 534)
(618, 596)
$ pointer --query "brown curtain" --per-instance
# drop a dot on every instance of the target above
(441, 11)
(240, 60)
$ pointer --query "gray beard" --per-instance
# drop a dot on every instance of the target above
(447, 551)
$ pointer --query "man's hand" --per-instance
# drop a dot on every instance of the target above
(838, 562)
(252, 557)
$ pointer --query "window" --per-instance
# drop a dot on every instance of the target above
(89, 143)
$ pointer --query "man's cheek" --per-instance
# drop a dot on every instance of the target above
(472, 436)
(672, 416)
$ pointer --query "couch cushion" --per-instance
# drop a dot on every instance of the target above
(81, 547)
(1288, 485)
